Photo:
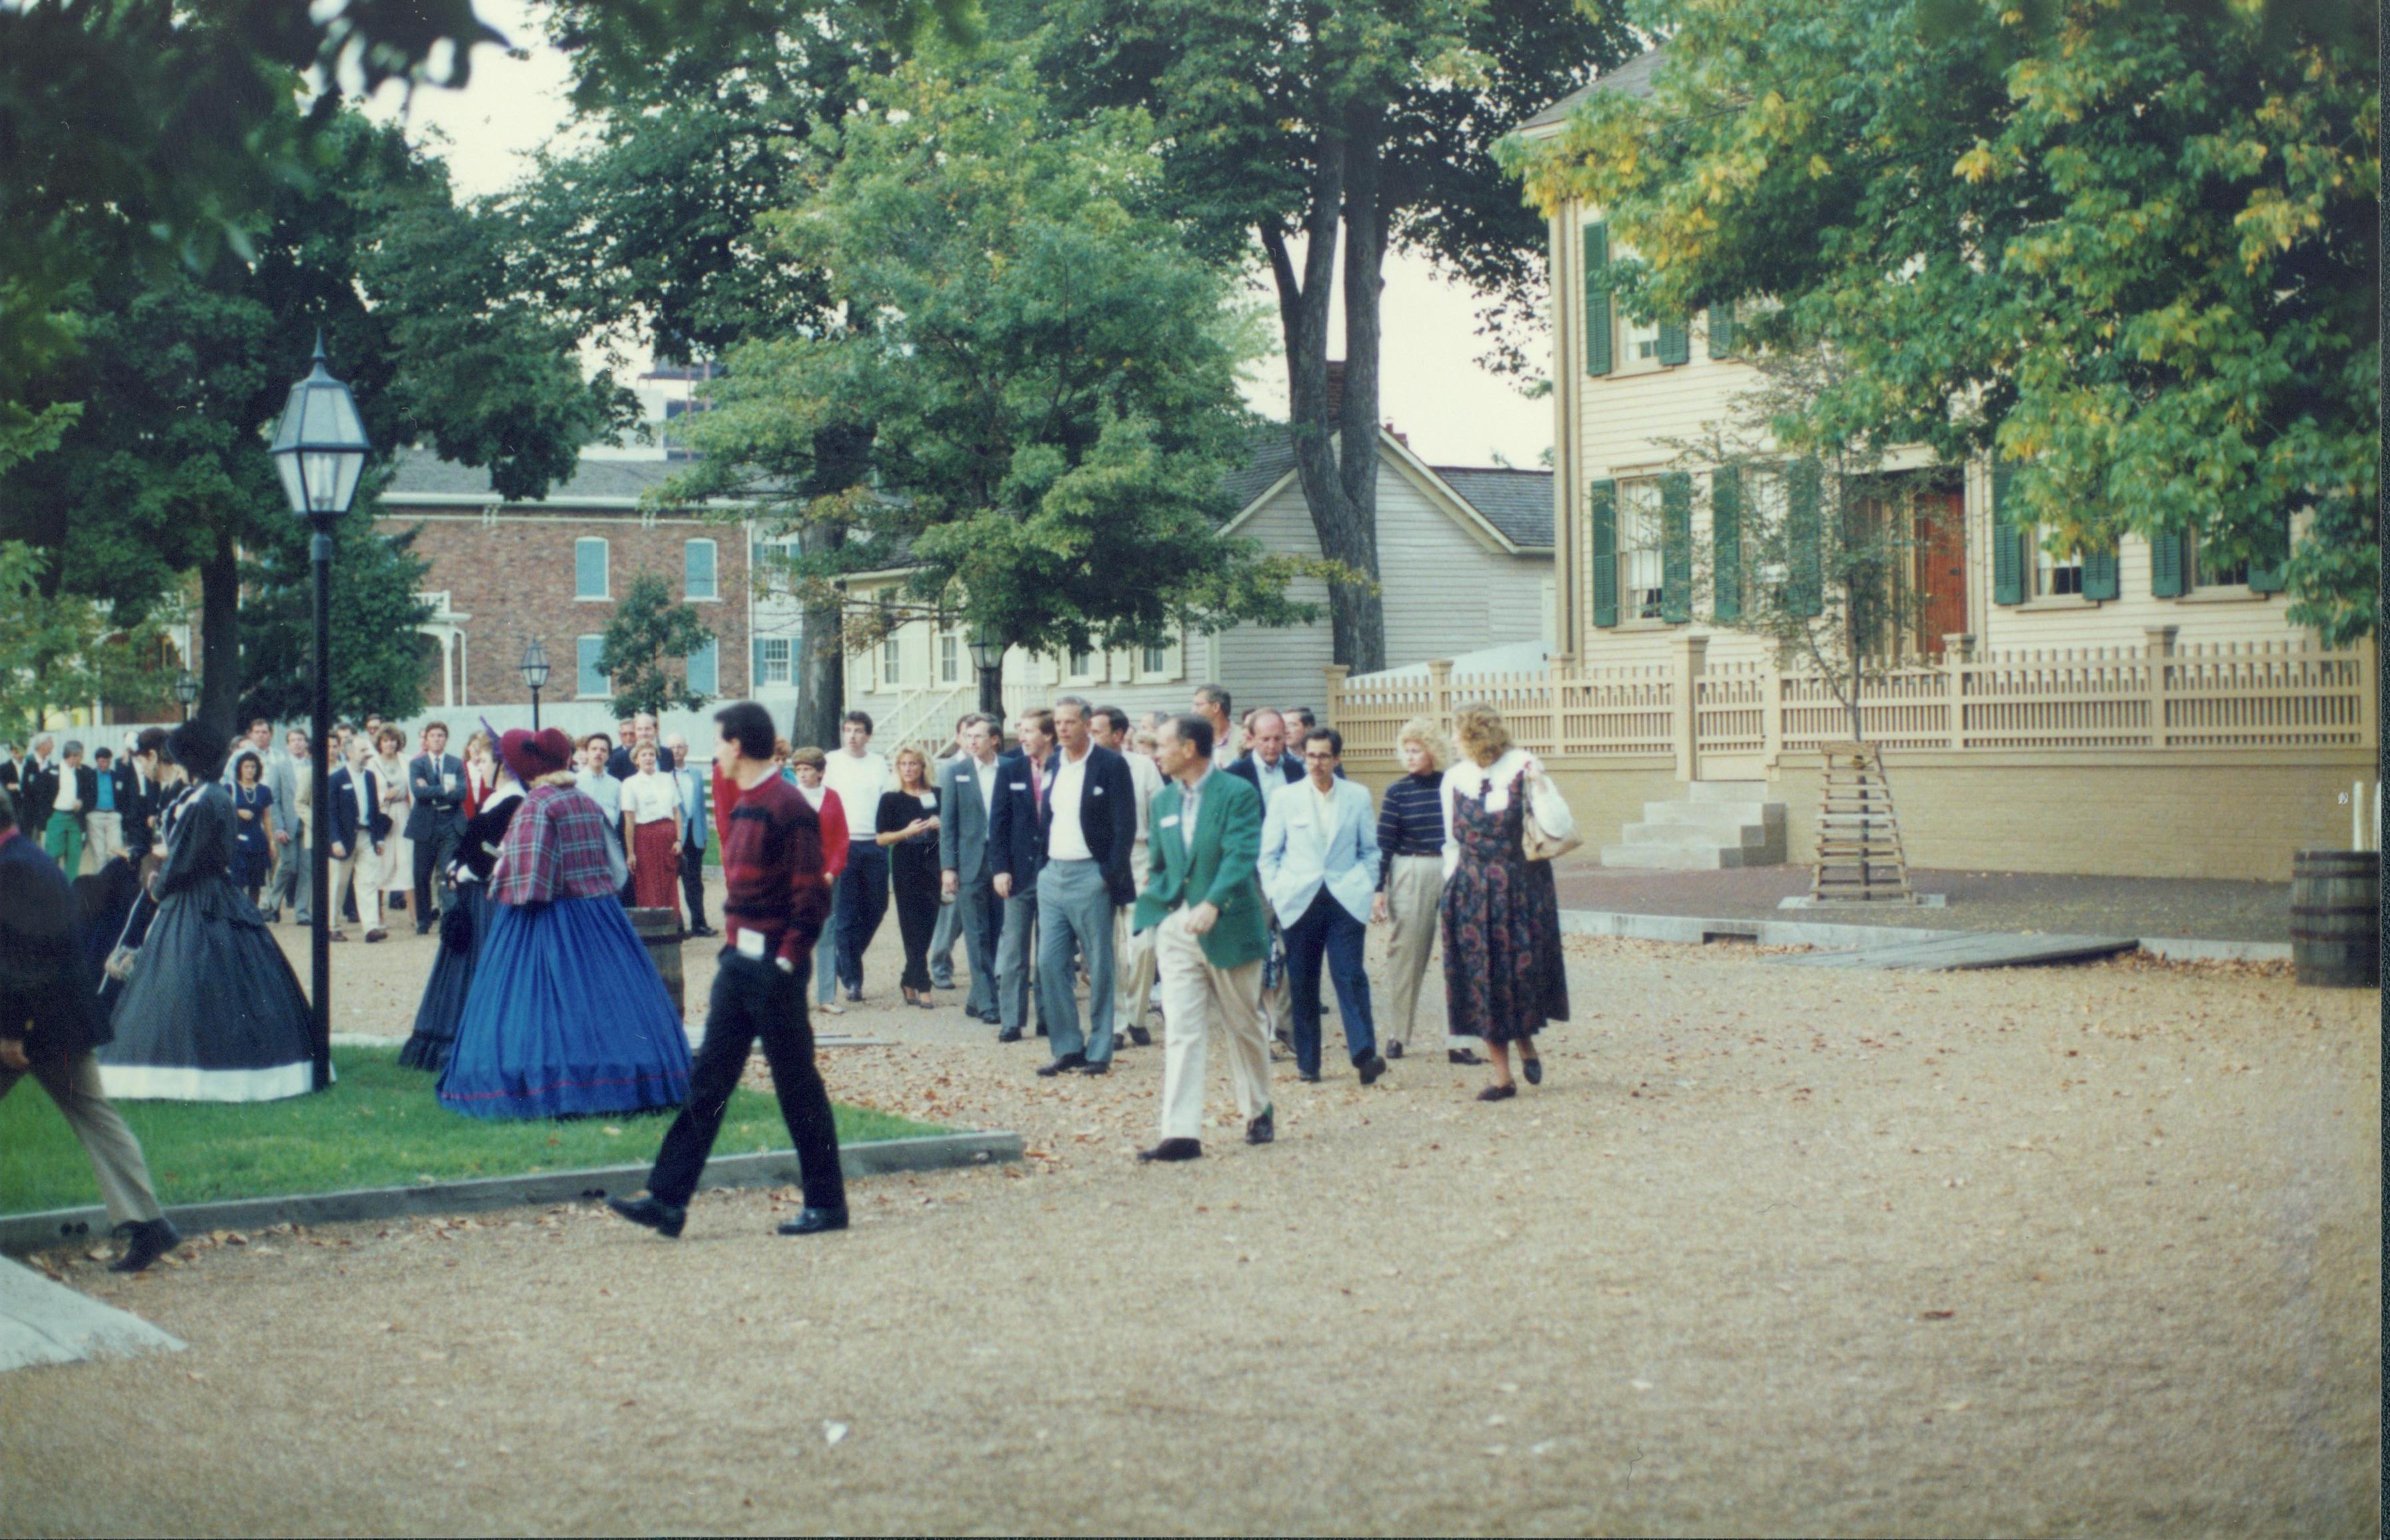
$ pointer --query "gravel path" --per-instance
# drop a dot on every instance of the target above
(2080, 1251)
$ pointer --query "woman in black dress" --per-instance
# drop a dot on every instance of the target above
(212, 1011)
(252, 847)
(909, 823)
(464, 921)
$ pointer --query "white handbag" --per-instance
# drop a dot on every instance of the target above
(1550, 828)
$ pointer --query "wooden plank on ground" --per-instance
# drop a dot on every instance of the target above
(1961, 954)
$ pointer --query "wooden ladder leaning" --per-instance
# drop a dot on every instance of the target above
(1859, 858)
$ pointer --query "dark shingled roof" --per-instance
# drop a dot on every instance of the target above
(423, 471)
(1634, 77)
(1269, 456)
(1519, 503)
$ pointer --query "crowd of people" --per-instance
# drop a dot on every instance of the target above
(1211, 868)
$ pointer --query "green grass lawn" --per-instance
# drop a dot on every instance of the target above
(380, 1126)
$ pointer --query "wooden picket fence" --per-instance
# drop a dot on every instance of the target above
(2261, 695)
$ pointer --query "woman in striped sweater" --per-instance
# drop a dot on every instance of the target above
(1410, 878)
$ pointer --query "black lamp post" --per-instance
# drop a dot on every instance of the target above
(187, 690)
(534, 673)
(987, 648)
(319, 449)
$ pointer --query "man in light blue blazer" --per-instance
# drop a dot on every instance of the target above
(1319, 869)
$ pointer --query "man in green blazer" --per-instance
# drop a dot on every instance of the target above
(1202, 898)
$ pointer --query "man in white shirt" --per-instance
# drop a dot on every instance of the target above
(860, 900)
(1319, 871)
(71, 788)
(1088, 826)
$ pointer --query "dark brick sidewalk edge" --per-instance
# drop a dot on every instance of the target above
(23, 1233)
(1694, 931)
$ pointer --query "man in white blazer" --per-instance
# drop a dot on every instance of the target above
(1319, 869)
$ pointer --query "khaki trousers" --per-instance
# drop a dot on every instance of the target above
(1412, 890)
(115, 1154)
(1133, 955)
(104, 840)
(1200, 1001)
(358, 867)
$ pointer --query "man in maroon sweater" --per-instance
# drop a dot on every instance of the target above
(778, 898)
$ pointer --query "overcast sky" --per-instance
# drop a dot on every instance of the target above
(1431, 388)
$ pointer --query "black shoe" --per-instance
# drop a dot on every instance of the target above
(1461, 1055)
(1103, 1068)
(1139, 1037)
(1061, 1062)
(1041, 1029)
(1497, 1093)
(814, 1221)
(423, 930)
(149, 1240)
(1393, 1050)
(1370, 1068)
(1262, 1130)
(948, 984)
(1013, 1035)
(1533, 1070)
(855, 995)
(665, 1219)
(1309, 1077)
(1173, 1149)
(703, 930)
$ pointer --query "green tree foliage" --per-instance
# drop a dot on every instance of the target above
(2129, 249)
(1038, 399)
(1348, 126)
(62, 650)
(380, 661)
(646, 648)
(179, 377)
(151, 133)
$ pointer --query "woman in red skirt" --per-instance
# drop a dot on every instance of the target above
(651, 833)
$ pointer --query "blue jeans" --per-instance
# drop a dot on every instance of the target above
(857, 906)
(1326, 931)
(1074, 907)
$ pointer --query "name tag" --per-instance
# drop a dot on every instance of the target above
(1021, 785)
(1095, 790)
(1171, 821)
(929, 799)
(750, 943)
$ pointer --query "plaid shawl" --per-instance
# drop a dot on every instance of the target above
(556, 848)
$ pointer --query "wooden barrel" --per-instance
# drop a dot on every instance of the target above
(659, 929)
(2336, 918)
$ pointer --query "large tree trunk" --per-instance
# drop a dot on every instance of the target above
(821, 657)
(220, 680)
(1340, 483)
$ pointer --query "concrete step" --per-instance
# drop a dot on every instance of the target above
(1714, 815)
(1693, 836)
(1728, 792)
(1672, 858)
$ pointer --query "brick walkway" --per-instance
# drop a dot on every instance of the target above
(1978, 900)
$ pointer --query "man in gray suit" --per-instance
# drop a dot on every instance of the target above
(290, 775)
(967, 789)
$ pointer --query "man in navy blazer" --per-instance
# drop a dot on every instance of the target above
(436, 781)
(356, 830)
(1087, 827)
(1015, 851)
(1266, 758)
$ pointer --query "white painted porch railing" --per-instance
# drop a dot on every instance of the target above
(2259, 695)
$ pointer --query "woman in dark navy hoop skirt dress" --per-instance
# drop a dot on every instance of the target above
(464, 927)
(566, 1015)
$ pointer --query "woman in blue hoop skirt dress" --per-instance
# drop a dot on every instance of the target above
(464, 927)
(566, 1016)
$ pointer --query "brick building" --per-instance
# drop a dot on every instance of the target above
(504, 573)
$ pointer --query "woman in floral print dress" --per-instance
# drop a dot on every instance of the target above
(1504, 975)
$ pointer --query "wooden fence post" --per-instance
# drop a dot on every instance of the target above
(1334, 707)
(1439, 688)
(2159, 652)
(1691, 653)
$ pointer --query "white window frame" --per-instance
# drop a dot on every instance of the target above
(1639, 508)
(689, 591)
(2197, 575)
(1157, 665)
(892, 660)
(787, 665)
(1073, 674)
(606, 686)
(950, 658)
(2053, 578)
(605, 568)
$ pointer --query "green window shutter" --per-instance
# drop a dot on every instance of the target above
(2008, 544)
(2265, 566)
(1804, 537)
(2167, 564)
(2099, 574)
(1722, 329)
(1605, 553)
(1677, 547)
(1725, 543)
(1596, 297)
(1675, 342)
